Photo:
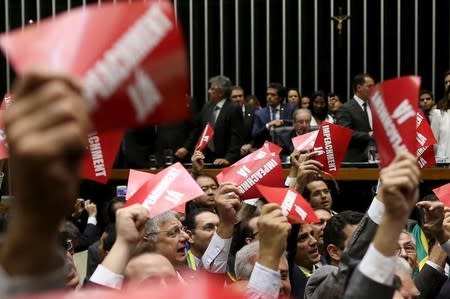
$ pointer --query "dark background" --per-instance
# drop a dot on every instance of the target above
(324, 71)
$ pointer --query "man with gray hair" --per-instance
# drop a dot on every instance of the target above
(226, 119)
(246, 258)
(301, 122)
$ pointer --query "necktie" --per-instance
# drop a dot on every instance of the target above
(212, 121)
(274, 114)
(213, 116)
(366, 113)
(365, 110)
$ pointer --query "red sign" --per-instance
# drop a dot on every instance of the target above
(394, 105)
(292, 204)
(424, 134)
(425, 157)
(424, 141)
(130, 57)
(443, 193)
(206, 136)
(305, 142)
(260, 167)
(331, 144)
(272, 147)
(168, 189)
(101, 154)
(136, 179)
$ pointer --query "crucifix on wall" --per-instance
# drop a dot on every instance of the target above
(340, 20)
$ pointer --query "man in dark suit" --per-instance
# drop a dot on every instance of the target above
(356, 115)
(248, 114)
(367, 267)
(301, 121)
(275, 114)
(226, 119)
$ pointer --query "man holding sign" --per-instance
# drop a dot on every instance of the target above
(225, 117)
(301, 120)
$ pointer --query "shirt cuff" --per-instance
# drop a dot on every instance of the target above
(446, 247)
(92, 220)
(435, 266)
(289, 180)
(216, 255)
(376, 210)
(264, 281)
(378, 267)
(103, 276)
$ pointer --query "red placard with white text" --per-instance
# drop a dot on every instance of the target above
(292, 204)
(268, 148)
(443, 193)
(206, 136)
(168, 189)
(129, 57)
(136, 179)
(263, 168)
(331, 144)
(426, 157)
(424, 141)
(394, 106)
(272, 147)
(101, 154)
(424, 134)
(305, 142)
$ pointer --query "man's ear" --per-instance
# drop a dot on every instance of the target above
(189, 233)
(334, 252)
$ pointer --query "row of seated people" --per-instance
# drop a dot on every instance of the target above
(241, 126)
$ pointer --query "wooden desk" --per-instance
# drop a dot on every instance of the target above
(345, 174)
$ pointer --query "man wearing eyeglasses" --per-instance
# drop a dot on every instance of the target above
(164, 234)
(407, 249)
(301, 120)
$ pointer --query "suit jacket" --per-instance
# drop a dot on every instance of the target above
(228, 131)
(300, 280)
(361, 286)
(262, 117)
(351, 115)
(93, 260)
(90, 235)
(429, 282)
(349, 282)
(248, 119)
(286, 142)
(336, 283)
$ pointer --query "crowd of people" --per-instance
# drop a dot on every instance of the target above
(241, 125)
(249, 247)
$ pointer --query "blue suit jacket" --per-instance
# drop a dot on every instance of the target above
(262, 117)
